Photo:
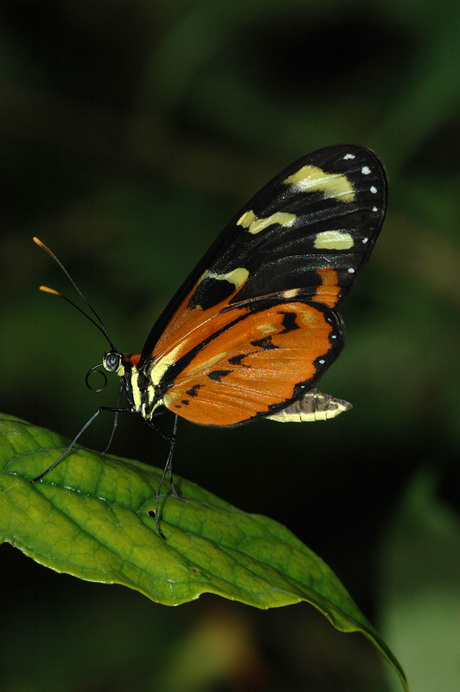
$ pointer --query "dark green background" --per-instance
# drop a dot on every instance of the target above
(130, 133)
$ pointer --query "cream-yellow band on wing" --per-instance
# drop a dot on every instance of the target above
(333, 240)
(159, 369)
(255, 225)
(314, 179)
(237, 276)
(291, 293)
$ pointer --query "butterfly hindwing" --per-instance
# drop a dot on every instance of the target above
(277, 272)
(253, 358)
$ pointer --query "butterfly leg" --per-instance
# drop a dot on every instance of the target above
(168, 466)
(77, 437)
(115, 422)
(171, 438)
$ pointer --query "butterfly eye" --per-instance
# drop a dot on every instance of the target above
(112, 361)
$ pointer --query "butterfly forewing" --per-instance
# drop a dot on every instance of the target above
(323, 211)
(293, 227)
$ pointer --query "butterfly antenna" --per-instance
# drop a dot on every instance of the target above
(99, 324)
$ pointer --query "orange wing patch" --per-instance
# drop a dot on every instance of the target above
(243, 362)
(328, 291)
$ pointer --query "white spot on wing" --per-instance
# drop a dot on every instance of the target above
(365, 170)
(373, 189)
(349, 156)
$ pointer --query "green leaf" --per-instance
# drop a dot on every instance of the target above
(90, 517)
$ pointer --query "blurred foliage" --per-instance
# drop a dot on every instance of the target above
(131, 132)
(94, 521)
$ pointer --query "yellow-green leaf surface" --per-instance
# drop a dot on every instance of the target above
(92, 516)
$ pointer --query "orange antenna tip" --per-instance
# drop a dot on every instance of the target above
(47, 289)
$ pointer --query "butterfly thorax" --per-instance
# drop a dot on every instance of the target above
(142, 394)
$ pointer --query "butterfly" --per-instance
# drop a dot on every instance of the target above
(255, 325)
